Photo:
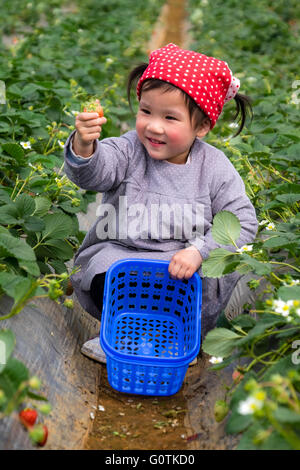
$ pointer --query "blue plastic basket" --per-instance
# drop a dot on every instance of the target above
(150, 326)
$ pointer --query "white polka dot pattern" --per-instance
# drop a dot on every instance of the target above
(207, 80)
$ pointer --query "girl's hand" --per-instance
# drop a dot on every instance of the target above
(185, 263)
(88, 125)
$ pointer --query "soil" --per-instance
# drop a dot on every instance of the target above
(184, 421)
(130, 422)
(171, 26)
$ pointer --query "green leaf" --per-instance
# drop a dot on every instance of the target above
(31, 267)
(226, 228)
(15, 90)
(230, 267)
(30, 89)
(25, 205)
(59, 249)
(34, 224)
(8, 214)
(57, 225)
(14, 286)
(275, 242)
(42, 205)
(17, 248)
(59, 266)
(289, 293)
(237, 423)
(35, 396)
(288, 199)
(244, 321)
(257, 267)
(4, 196)
(218, 260)
(286, 415)
(11, 377)
(220, 342)
(282, 367)
(274, 442)
(265, 322)
(14, 150)
(7, 344)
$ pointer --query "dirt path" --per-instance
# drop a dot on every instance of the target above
(171, 26)
(184, 421)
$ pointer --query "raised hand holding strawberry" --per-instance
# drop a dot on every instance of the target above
(88, 128)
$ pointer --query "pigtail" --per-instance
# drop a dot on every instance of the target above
(243, 108)
(133, 79)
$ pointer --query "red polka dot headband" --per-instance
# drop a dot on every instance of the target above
(207, 80)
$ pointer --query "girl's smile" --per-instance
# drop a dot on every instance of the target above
(164, 126)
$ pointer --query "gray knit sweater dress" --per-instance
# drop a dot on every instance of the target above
(133, 221)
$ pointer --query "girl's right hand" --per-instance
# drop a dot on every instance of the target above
(88, 127)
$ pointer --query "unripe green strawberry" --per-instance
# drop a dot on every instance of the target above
(220, 410)
(45, 408)
(39, 434)
(69, 303)
(34, 382)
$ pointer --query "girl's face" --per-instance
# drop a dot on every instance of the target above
(164, 126)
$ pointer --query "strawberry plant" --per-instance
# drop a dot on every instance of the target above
(53, 58)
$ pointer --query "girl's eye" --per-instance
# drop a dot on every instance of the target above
(145, 111)
(171, 118)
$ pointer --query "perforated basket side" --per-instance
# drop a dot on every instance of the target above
(144, 287)
(130, 377)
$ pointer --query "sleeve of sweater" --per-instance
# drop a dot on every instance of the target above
(103, 170)
(227, 192)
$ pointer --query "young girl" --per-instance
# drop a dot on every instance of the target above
(161, 184)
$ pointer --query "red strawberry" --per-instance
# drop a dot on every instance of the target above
(39, 434)
(93, 107)
(28, 417)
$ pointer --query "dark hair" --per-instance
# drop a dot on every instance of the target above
(243, 107)
(243, 102)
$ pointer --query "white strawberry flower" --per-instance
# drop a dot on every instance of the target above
(216, 360)
(252, 403)
(270, 226)
(249, 406)
(282, 307)
(26, 145)
(245, 249)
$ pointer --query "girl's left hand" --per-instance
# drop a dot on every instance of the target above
(184, 263)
